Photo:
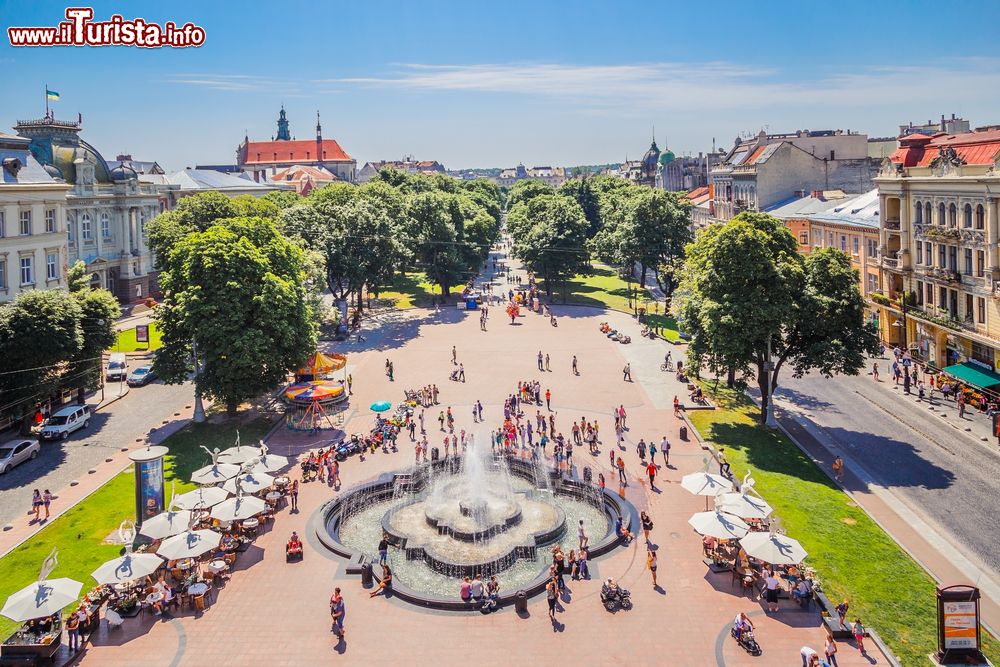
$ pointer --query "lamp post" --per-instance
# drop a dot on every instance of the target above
(769, 419)
(199, 411)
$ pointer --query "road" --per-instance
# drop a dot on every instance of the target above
(947, 477)
(117, 425)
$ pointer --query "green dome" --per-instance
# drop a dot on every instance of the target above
(666, 157)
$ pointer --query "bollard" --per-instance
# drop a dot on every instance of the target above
(521, 602)
(434, 454)
(588, 476)
(684, 433)
(366, 575)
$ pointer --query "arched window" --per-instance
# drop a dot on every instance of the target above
(952, 216)
(967, 216)
(919, 213)
(85, 230)
(927, 213)
(980, 217)
(941, 215)
(105, 226)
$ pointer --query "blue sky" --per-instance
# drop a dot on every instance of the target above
(490, 84)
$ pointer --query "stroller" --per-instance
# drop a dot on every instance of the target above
(310, 470)
(454, 375)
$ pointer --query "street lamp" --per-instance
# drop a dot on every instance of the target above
(199, 411)
(769, 419)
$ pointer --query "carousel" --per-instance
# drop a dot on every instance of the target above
(318, 393)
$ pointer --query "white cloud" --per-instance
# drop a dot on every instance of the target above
(717, 85)
(234, 82)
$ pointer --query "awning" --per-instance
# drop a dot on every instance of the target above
(973, 374)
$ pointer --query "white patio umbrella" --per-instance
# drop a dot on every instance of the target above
(190, 544)
(127, 568)
(706, 484)
(251, 482)
(166, 524)
(215, 473)
(719, 524)
(202, 498)
(773, 548)
(238, 508)
(745, 506)
(269, 463)
(42, 598)
(239, 454)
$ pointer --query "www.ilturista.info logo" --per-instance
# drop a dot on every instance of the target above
(80, 30)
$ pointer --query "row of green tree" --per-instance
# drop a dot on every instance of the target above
(51, 342)
(556, 232)
(243, 278)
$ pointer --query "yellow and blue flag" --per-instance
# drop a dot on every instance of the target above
(51, 94)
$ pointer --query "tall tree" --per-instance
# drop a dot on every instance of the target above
(235, 290)
(580, 190)
(551, 238)
(526, 190)
(749, 300)
(437, 244)
(99, 310)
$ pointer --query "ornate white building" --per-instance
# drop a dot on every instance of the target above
(107, 208)
(33, 252)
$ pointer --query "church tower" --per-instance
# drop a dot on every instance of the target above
(319, 139)
(283, 134)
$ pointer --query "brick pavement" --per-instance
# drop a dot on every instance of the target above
(273, 613)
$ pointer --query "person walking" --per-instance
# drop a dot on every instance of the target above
(627, 373)
(461, 372)
(391, 371)
(961, 412)
(875, 371)
(647, 524)
(540, 360)
(441, 420)
(640, 449)
(350, 381)
(73, 632)
(454, 355)
(651, 471)
(337, 613)
(771, 584)
(293, 495)
(677, 407)
(830, 651)
(584, 540)
(547, 366)
(651, 564)
(46, 501)
(859, 635)
(665, 450)
(551, 595)
(575, 370)
(36, 503)
(620, 464)
(838, 468)
(548, 399)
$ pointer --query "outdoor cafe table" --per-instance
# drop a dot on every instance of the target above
(272, 497)
(281, 481)
(186, 564)
(218, 566)
(199, 588)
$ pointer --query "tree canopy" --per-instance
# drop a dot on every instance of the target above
(550, 235)
(745, 290)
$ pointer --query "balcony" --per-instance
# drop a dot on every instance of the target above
(890, 262)
(892, 225)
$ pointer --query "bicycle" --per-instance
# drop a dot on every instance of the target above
(667, 366)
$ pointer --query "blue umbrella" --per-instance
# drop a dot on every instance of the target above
(381, 406)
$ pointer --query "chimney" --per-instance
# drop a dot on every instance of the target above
(817, 194)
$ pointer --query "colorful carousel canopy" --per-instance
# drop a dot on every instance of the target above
(304, 392)
(321, 364)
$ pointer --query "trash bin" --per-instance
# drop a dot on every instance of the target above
(434, 454)
(366, 575)
(521, 602)
(684, 433)
(588, 476)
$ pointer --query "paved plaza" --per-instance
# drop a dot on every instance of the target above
(274, 613)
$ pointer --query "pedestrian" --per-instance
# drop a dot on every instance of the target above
(547, 367)
(838, 468)
(651, 471)
(575, 371)
(842, 613)
(548, 399)
(647, 524)
(621, 413)
(584, 540)
(479, 408)
(830, 651)
(383, 549)
(627, 373)
(859, 635)
(551, 595)
(600, 481)
(441, 419)
(461, 372)
(771, 584)
(73, 632)
(640, 449)
(36, 503)
(961, 409)
(583, 572)
(422, 429)
(724, 468)
(652, 452)
(391, 371)
(335, 472)
(337, 613)
(651, 564)
(46, 500)
(677, 407)
(809, 656)
(540, 360)
(454, 355)
(620, 463)
(350, 381)
(665, 449)
(875, 371)
(293, 495)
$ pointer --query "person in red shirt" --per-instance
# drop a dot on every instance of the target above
(651, 471)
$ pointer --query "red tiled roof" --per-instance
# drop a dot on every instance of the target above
(292, 152)
(755, 155)
(697, 192)
(972, 147)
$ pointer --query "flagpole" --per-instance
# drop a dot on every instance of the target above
(46, 100)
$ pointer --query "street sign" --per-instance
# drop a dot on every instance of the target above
(142, 333)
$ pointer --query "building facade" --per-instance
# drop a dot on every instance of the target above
(939, 237)
(262, 159)
(107, 208)
(554, 176)
(408, 165)
(685, 173)
(758, 173)
(33, 252)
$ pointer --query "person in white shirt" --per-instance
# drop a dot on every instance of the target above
(771, 585)
(477, 587)
(584, 540)
(809, 656)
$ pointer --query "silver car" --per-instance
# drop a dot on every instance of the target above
(17, 451)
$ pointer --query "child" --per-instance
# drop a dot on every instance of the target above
(859, 635)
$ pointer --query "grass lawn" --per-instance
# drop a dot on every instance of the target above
(604, 288)
(411, 290)
(853, 557)
(126, 340)
(79, 533)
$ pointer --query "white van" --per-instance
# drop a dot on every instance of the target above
(62, 423)
(117, 370)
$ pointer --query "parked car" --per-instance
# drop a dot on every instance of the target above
(117, 367)
(141, 376)
(16, 452)
(62, 423)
